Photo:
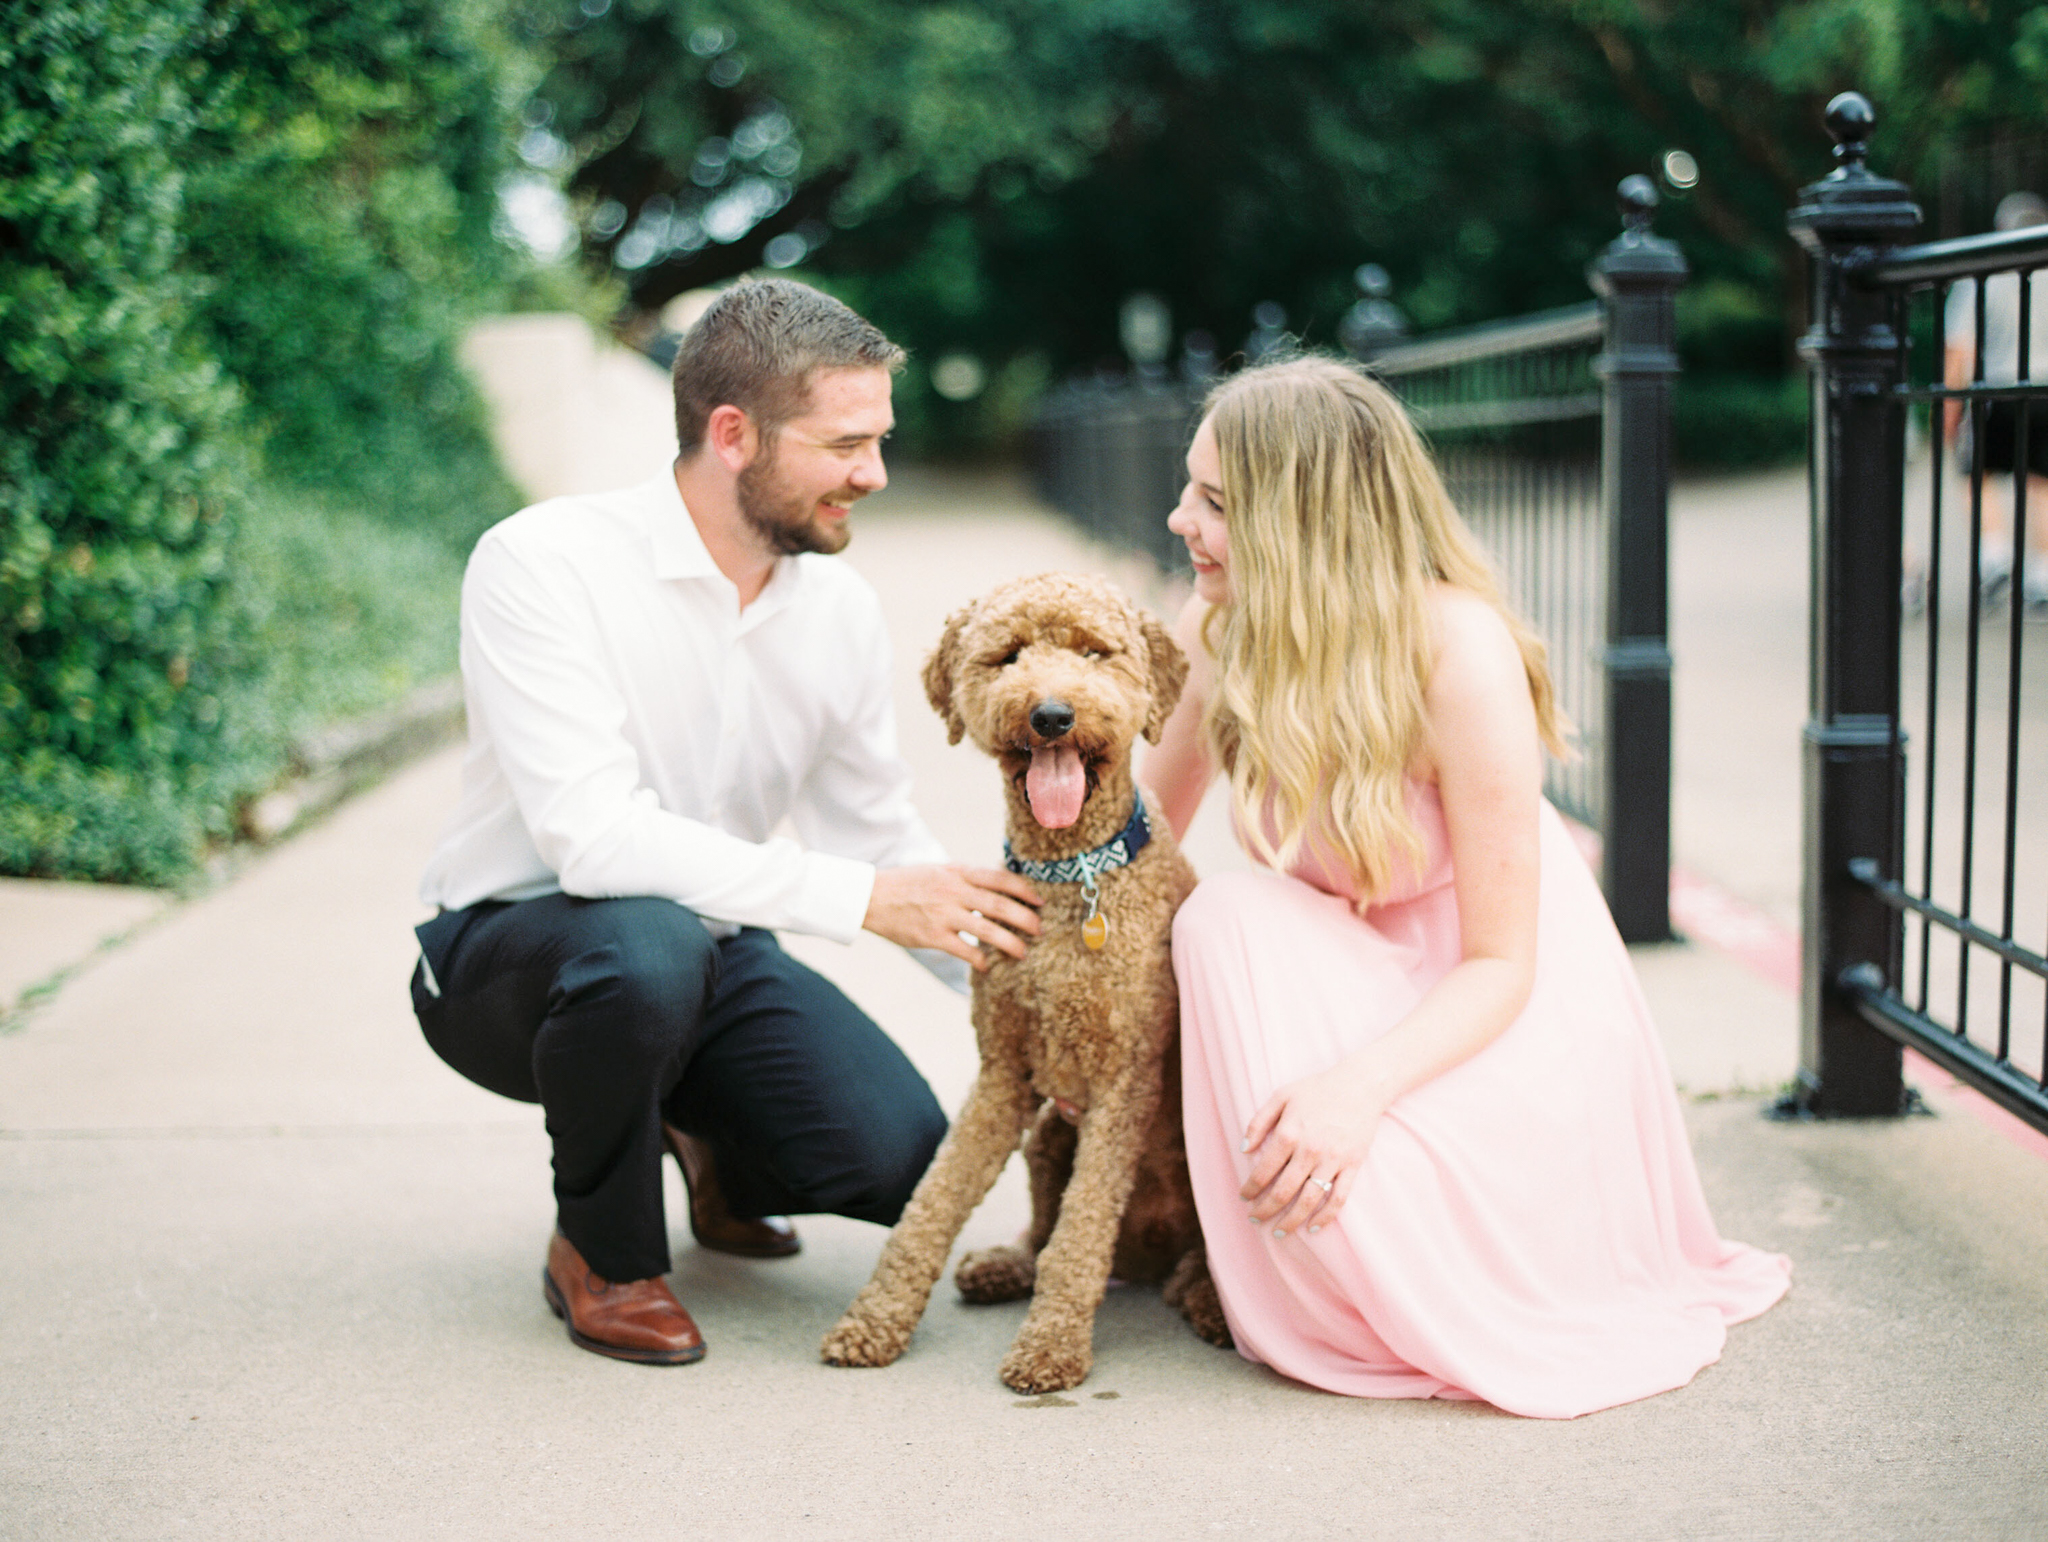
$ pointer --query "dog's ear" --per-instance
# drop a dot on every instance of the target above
(938, 674)
(1169, 674)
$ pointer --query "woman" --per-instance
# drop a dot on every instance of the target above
(1415, 1056)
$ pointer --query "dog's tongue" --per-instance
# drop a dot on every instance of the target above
(1056, 786)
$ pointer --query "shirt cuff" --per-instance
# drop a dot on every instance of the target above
(951, 972)
(835, 896)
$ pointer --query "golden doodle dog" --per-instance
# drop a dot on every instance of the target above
(1055, 677)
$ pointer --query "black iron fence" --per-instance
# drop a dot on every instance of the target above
(1512, 410)
(1926, 848)
(1553, 432)
(1111, 455)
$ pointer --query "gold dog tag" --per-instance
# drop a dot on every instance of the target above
(1095, 932)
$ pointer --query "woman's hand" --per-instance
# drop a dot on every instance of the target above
(1308, 1143)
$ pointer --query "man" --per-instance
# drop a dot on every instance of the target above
(1994, 446)
(655, 679)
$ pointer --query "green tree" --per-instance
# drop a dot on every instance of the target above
(997, 175)
(700, 133)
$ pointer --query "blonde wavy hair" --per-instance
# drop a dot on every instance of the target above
(1338, 526)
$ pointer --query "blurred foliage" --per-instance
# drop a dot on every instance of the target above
(995, 176)
(318, 573)
(1738, 420)
(340, 212)
(238, 239)
(122, 467)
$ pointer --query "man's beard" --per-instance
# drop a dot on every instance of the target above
(785, 521)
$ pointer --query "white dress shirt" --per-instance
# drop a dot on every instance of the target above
(633, 731)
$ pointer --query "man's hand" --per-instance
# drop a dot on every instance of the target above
(929, 907)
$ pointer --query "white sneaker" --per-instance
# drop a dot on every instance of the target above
(1994, 580)
(1913, 591)
(1994, 568)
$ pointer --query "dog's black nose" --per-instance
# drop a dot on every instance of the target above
(1051, 719)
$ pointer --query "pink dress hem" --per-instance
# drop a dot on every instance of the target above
(1529, 1228)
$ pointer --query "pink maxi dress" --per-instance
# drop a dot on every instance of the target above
(1528, 1228)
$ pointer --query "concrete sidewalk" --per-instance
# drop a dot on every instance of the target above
(273, 1268)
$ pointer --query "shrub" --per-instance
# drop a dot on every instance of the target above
(238, 458)
(121, 465)
(1738, 421)
(340, 215)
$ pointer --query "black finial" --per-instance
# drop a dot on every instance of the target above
(1637, 196)
(1852, 205)
(1850, 119)
(1637, 256)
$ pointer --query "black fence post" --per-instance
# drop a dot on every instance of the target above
(1856, 472)
(1637, 279)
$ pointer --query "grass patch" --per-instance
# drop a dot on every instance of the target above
(339, 614)
(349, 614)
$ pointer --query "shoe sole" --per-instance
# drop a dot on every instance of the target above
(612, 1351)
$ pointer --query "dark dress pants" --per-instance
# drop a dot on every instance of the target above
(615, 1015)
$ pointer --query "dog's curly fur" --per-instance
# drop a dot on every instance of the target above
(1097, 1032)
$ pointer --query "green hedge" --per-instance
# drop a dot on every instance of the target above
(122, 465)
(239, 462)
(341, 219)
(1730, 421)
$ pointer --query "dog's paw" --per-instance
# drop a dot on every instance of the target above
(1204, 1311)
(860, 1340)
(1192, 1290)
(989, 1275)
(1037, 1364)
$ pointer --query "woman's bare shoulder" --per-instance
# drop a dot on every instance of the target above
(1469, 635)
(1477, 700)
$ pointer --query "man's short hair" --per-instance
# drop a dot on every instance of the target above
(756, 347)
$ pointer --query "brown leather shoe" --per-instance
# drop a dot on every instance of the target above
(711, 1223)
(639, 1320)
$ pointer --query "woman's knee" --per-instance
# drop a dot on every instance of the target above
(1221, 905)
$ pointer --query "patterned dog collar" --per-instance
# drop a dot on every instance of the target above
(1089, 865)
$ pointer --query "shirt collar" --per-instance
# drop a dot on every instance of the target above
(679, 551)
(780, 590)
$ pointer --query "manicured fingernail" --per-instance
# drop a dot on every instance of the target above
(1280, 1234)
(1314, 1229)
(1243, 1146)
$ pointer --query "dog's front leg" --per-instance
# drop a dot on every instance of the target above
(1055, 1347)
(878, 1325)
(1007, 1271)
